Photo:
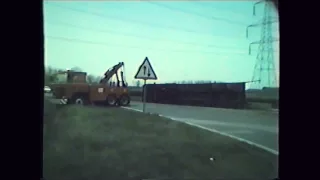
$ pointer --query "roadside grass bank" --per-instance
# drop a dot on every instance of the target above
(113, 143)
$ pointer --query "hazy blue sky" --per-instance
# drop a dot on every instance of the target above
(97, 35)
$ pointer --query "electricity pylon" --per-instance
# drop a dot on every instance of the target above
(264, 74)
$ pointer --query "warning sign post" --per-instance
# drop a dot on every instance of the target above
(145, 72)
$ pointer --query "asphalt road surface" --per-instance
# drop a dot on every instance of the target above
(259, 127)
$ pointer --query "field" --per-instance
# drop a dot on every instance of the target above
(83, 143)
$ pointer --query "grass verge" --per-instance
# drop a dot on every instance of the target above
(82, 143)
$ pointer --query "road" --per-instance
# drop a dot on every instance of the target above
(258, 127)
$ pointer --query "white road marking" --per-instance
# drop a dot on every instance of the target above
(218, 132)
(239, 132)
(138, 110)
(228, 124)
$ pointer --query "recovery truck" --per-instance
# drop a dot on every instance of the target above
(76, 90)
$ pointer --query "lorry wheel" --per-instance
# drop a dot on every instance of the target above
(111, 100)
(79, 100)
(124, 100)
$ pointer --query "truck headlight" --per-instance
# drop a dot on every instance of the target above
(47, 89)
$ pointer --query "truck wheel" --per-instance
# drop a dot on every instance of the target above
(124, 100)
(79, 100)
(111, 100)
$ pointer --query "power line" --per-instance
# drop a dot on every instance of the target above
(201, 15)
(137, 47)
(153, 25)
(198, 14)
(143, 37)
(138, 36)
(206, 6)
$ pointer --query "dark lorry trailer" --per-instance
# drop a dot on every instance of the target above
(223, 95)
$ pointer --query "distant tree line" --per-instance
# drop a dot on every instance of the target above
(49, 71)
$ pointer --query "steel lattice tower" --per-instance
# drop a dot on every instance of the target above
(264, 74)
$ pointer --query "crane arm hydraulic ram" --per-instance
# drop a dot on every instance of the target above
(112, 71)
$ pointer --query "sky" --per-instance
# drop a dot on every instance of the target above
(184, 40)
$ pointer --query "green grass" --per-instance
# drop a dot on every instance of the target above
(82, 143)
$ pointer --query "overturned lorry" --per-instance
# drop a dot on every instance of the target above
(74, 89)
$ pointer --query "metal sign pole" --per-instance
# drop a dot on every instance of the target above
(144, 95)
(145, 72)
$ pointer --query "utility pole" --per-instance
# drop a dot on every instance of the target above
(264, 74)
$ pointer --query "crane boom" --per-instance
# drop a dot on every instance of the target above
(112, 71)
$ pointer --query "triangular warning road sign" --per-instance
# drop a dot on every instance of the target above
(146, 71)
